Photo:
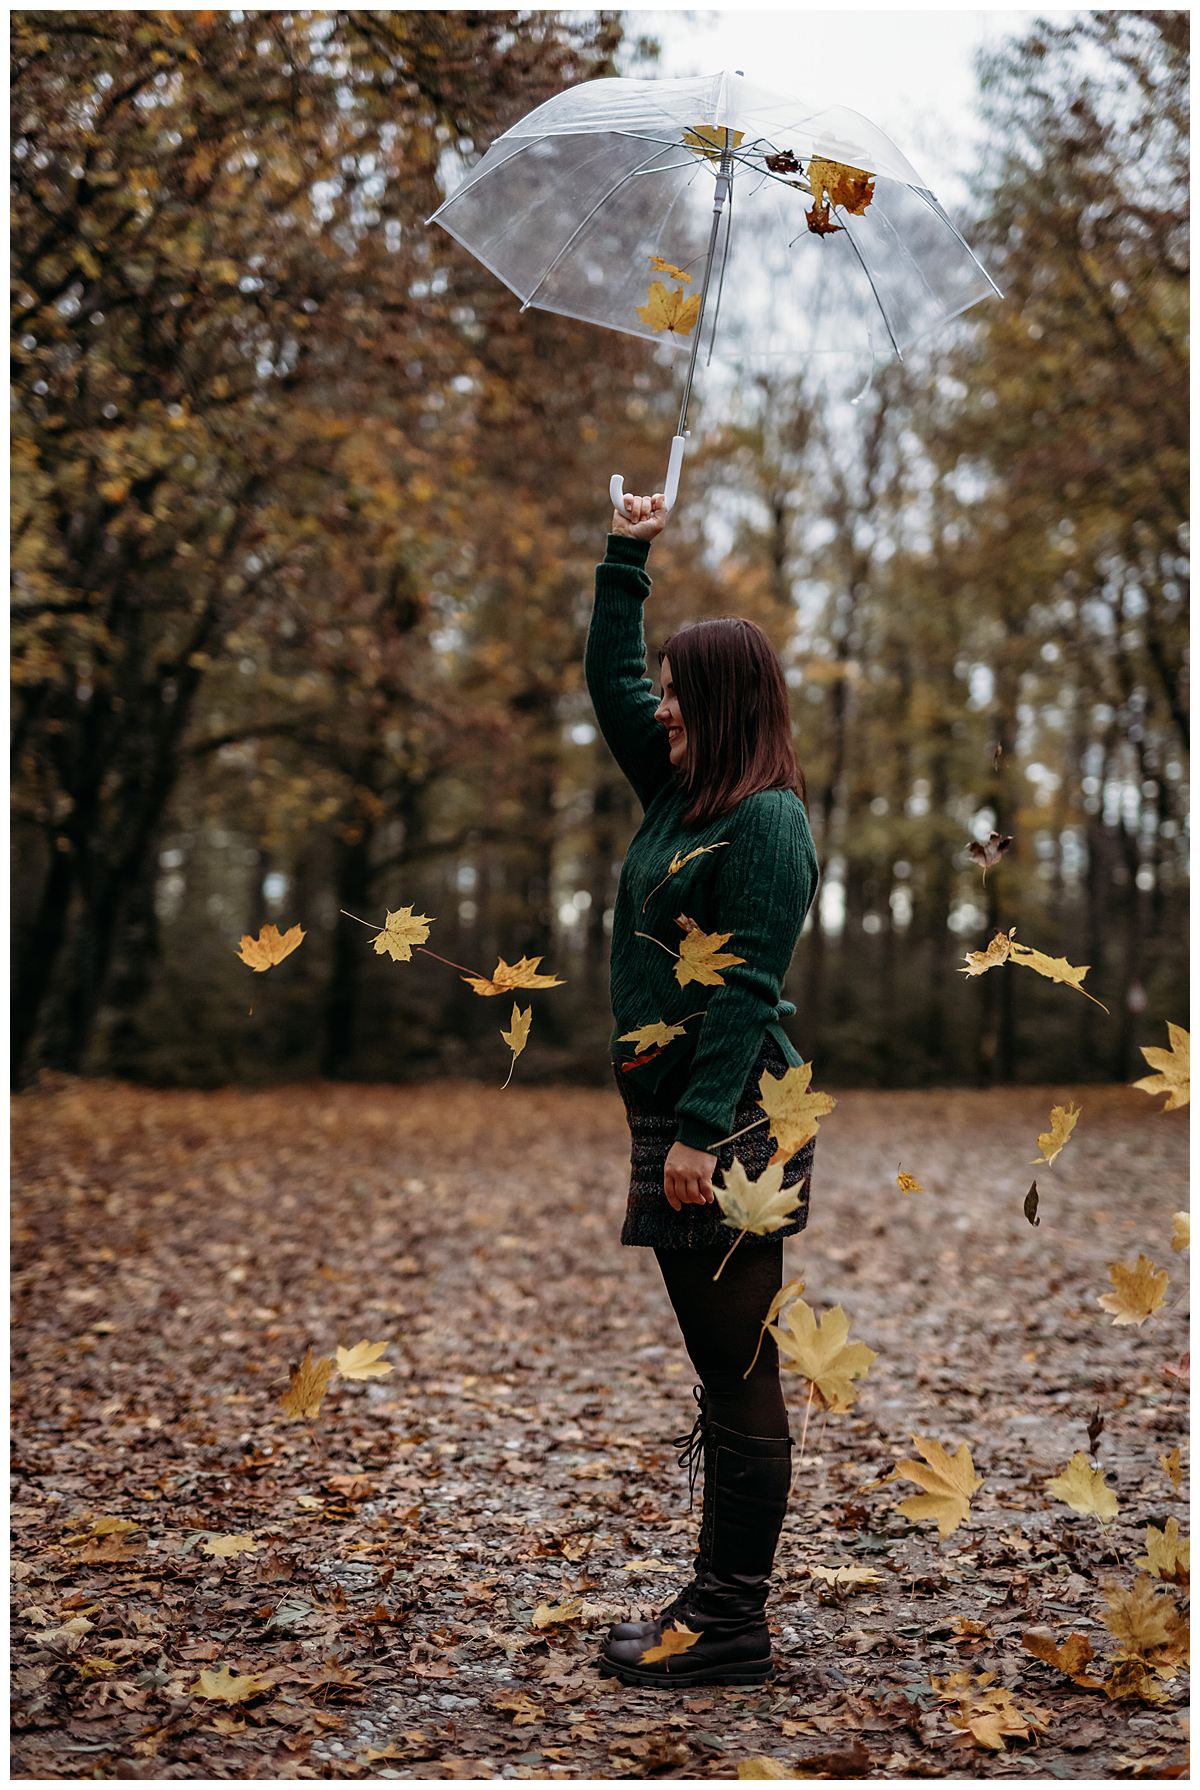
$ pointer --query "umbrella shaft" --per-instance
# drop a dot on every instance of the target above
(723, 181)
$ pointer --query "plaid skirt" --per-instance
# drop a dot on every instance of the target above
(649, 1218)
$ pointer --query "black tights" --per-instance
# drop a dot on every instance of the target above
(721, 1323)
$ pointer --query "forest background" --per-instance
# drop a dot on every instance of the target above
(304, 521)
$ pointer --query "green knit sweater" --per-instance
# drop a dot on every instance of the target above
(757, 887)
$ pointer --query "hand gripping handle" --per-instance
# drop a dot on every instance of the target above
(616, 485)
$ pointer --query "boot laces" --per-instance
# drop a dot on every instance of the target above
(691, 1444)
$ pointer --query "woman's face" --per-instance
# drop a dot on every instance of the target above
(668, 716)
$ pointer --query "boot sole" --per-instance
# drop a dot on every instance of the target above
(745, 1672)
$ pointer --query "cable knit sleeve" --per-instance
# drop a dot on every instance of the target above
(763, 889)
(614, 667)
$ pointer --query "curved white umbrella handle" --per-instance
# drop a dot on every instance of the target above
(616, 485)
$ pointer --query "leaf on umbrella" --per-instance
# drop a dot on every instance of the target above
(1174, 1069)
(700, 958)
(222, 1686)
(793, 1111)
(672, 272)
(362, 1361)
(907, 1183)
(517, 1035)
(708, 140)
(848, 187)
(1030, 1204)
(270, 947)
(670, 308)
(1070, 1656)
(224, 1547)
(675, 1639)
(1140, 1290)
(783, 163)
(659, 1032)
(507, 976)
(401, 931)
(821, 1352)
(1062, 1124)
(947, 1481)
(1083, 1488)
(820, 221)
(991, 853)
(1168, 1553)
(307, 1389)
(759, 1206)
(1181, 1230)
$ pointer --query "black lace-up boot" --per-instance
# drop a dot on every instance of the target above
(726, 1609)
(693, 1448)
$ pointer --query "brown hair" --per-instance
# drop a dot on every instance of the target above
(734, 702)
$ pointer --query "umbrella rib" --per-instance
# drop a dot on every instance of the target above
(603, 200)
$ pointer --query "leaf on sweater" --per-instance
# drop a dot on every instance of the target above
(846, 186)
(507, 976)
(1141, 1289)
(672, 272)
(307, 1389)
(820, 1351)
(1062, 1124)
(677, 864)
(670, 309)
(759, 1206)
(700, 958)
(658, 1032)
(675, 1639)
(947, 1482)
(1083, 1487)
(270, 947)
(793, 1111)
(401, 931)
(1174, 1069)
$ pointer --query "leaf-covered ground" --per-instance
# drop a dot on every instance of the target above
(174, 1253)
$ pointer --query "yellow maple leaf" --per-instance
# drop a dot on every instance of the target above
(669, 308)
(223, 1547)
(759, 1765)
(848, 187)
(672, 272)
(1172, 1466)
(222, 1686)
(270, 947)
(791, 1289)
(907, 1183)
(1062, 1124)
(845, 1578)
(708, 140)
(1168, 1553)
(1174, 1077)
(1181, 1230)
(401, 931)
(1132, 1678)
(677, 863)
(759, 1206)
(993, 1715)
(546, 1615)
(1084, 1489)
(647, 1036)
(996, 952)
(362, 1361)
(793, 1110)
(1071, 1656)
(1007, 948)
(674, 1639)
(947, 1481)
(307, 1389)
(1140, 1290)
(820, 1351)
(507, 976)
(700, 958)
(517, 1035)
(1143, 1618)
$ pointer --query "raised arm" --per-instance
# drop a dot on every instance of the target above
(614, 662)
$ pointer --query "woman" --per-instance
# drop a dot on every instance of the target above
(724, 846)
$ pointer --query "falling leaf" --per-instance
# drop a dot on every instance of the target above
(1181, 1230)
(401, 931)
(1006, 948)
(1062, 1124)
(659, 1032)
(223, 1547)
(307, 1389)
(518, 1033)
(507, 976)
(1143, 1617)
(1070, 1656)
(670, 309)
(1140, 1290)
(546, 1615)
(760, 1206)
(222, 1686)
(1083, 1488)
(270, 947)
(820, 1351)
(1095, 1425)
(848, 187)
(1180, 1370)
(791, 1289)
(1172, 1467)
(793, 1111)
(1174, 1069)
(991, 853)
(675, 1639)
(907, 1183)
(1030, 1204)
(1168, 1554)
(997, 755)
(672, 272)
(948, 1482)
(708, 140)
(700, 957)
(820, 221)
(362, 1361)
(997, 952)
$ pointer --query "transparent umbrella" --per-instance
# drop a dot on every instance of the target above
(663, 208)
